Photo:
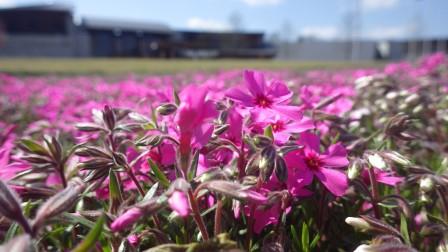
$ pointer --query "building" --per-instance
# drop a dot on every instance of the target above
(364, 50)
(49, 31)
(196, 44)
(115, 38)
(41, 30)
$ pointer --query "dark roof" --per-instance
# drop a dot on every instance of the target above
(221, 32)
(125, 25)
(45, 7)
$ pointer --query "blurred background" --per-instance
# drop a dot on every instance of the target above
(291, 30)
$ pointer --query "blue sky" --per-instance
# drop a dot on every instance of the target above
(381, 19)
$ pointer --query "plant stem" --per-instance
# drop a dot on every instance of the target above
(218, 215)
(197, 215)
(375, 195)
(62, 175)
(241, 162)
(134, 179)
(251, 219)
(441, 194)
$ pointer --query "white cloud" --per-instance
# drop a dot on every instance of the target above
(262, 2)
(5, 3)
(207, 24)
(369, 5)
(392, 32)
(320, 32)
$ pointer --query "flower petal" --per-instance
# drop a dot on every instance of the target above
(292, 112)
(255, 82)
(237, 94)
(335, 181)
(310, 140)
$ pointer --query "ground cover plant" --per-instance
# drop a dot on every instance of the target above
(238, 160)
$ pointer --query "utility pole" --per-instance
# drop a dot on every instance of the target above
(356, 33)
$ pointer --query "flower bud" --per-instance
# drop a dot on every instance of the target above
(358, 223)
(418, 109)
(377, 161)
(426, 184)
(166, 109)
(128, 218)
(396, 157)
(120, 159)
(281, 170)
(109, 117)
(267, 162)
(412, 99)
(262, 141)
(354, 169)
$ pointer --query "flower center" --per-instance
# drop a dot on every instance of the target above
(313, 161)
(263, 101)
(278, 126)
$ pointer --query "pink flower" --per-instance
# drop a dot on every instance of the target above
(133, 240)
(128, 218)
(304, 164)
(265, 216)
(194, 118)
(272, 98)
(381, 176)
(283, 128)
(179, 203)
(235, 131)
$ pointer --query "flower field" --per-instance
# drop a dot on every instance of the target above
(235, 160)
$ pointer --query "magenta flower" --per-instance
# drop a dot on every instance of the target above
(381, 176)
(272, 98)
(235, 131)
(179, 203)
(265, 216)
(283, 128)
(309, 162)
(194, 118)
(8, 166)
(128, 218)
(133, 240)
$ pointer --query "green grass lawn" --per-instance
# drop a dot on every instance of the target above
(107, 66)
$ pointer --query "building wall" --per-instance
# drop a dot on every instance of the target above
(36, 46)
(325, 50)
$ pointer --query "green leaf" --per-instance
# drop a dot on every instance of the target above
(33, 147)
(315, 241)
(269, 132)
(176, 98)
(151, 192)
(305, 238)
(159, 174)
(148, 126)
(114, 187)
(91, 237)
(76, 219)
(12, 231)
(193, 166)
(404, 229)
(154, 117)
(295, 237)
